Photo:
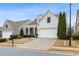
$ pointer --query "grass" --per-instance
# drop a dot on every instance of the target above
(16, 42)
(60, 43)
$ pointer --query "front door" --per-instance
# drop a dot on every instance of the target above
(31, 31)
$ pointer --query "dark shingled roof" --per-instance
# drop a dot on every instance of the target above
(17, 24)
(33, 22)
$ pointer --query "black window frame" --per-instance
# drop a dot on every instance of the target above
(48, 19)
(6, 26)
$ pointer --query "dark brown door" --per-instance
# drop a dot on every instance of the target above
(31, 31)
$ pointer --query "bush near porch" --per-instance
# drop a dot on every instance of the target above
(19, 37)
(3, 40)
(25, 36)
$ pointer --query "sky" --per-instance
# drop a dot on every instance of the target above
(29, 11)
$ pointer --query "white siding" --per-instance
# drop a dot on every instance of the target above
(48, 30)
(53, 24)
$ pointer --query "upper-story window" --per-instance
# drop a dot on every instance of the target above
(6, 26)
(48, 20)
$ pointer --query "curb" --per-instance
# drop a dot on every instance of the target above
(70, 49)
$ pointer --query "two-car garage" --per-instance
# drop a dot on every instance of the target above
(47, 33)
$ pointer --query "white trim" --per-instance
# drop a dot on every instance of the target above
(46, 28)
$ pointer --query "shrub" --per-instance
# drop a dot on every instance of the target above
(75, 37)
(67, 37)
(3, 40)
(28, 36)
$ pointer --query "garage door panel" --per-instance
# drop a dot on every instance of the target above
(6, 34)
(50, 33)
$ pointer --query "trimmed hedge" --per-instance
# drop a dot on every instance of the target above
(75, 37)
(3, 40)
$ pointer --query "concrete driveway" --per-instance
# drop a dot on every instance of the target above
(39, 44)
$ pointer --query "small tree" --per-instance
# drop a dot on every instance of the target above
(62, 26)
(21, 32)
(59, 24)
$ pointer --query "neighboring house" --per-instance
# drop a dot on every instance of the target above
(12, 28)
(0, 32)
(44, 25)
(77, 22)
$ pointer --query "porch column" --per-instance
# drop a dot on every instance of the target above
(28, 31)
(34, 31)
(24, 30)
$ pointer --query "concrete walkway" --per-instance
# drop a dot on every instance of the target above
(39, 44)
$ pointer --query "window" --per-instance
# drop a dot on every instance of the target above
(36, 31)
(6, 26)
(48, 20)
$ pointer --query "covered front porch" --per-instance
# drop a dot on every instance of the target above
(32, 31)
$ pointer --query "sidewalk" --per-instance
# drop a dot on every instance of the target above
(68, 49)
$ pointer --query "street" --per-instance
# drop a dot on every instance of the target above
(5, 51)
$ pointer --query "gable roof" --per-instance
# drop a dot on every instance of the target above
(33, 22)
(17, 23)
(42, 16)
